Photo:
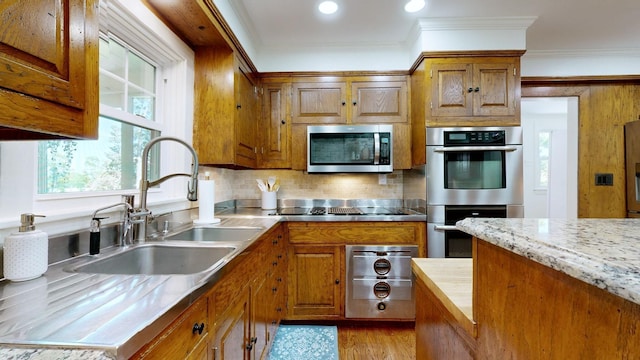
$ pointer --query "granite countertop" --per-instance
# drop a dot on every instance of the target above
(601, 252)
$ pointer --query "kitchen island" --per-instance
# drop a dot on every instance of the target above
(541, 288)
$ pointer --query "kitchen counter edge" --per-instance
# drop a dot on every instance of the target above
(599, 252)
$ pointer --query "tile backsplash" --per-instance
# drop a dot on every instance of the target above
(241, 184)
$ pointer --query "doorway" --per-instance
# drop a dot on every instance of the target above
(550, 151)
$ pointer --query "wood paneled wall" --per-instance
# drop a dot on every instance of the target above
(604, 108)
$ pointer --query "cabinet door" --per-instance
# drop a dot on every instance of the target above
(379, 102)
(315, 281)
(48, 69)
(275, 127)
(494, 89)
(246, 118)
(319, 103)
(450, 89)
(260, 302)
(233, 334)
(181, 338)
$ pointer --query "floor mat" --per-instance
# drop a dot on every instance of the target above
(307, 342)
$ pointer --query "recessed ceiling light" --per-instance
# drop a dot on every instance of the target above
(328, 7)
(414, 6)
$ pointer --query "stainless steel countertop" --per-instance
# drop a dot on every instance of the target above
(116, 314)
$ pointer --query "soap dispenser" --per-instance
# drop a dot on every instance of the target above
(26, 253)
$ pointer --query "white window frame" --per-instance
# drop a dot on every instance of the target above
(133, 22)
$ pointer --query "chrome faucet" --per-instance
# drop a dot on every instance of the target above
(145, 184)
(94, 230)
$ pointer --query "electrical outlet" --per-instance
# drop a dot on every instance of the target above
(604, 179)
(382, 179)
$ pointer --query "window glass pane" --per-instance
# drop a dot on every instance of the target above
(112, 91)
(542, 165)
(141, 73)
(112, 57)
(141, 103)
(110, 163)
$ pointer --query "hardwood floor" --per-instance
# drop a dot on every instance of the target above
(377, 341)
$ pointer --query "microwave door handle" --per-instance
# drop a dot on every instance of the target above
(476, 148)
(444, 227)
(376, 148)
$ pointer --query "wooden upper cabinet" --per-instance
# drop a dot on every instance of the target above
(48, 69)
(275, 127)
(362, 99)
(379, 102)
(225, 111)
(474, 91)
(247, 115)
(319, 103)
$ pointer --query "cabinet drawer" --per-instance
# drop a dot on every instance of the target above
(179, 339)
(352, 233)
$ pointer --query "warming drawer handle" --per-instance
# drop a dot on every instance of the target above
(444, 227)
(476, 148)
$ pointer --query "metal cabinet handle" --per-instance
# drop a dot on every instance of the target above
(476, 89)
(470, 90)
(337, 281)
(198, 328)
(444, 227)
(476, 148)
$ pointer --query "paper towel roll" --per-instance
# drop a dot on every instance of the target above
(206, 201)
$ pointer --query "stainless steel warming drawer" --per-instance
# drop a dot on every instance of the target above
(380, 283)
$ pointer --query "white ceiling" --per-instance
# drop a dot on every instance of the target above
(561, 25)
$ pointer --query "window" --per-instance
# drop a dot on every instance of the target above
(542, 159)
(160, 67)
(128, 83)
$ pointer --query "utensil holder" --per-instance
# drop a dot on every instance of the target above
(269, 200)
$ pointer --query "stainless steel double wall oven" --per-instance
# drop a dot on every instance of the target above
(471, 172)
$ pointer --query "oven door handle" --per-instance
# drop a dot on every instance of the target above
(476, 148)
(444, 227)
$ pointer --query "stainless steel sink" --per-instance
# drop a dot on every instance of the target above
(225, 234)
(159, 259)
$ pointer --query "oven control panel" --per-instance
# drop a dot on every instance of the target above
(486, 137)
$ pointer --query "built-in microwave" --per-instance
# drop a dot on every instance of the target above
(350, 148)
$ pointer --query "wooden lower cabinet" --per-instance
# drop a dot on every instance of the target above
(316, 281)
(245, 303)
(317, 264)
(183, 339)
(232, 330)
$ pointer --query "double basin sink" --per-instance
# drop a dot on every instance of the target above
(193, 251)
